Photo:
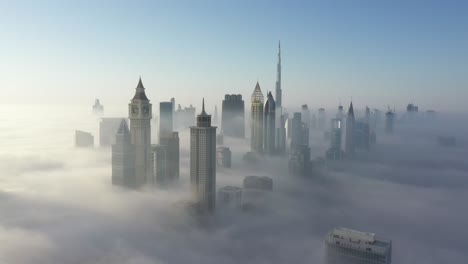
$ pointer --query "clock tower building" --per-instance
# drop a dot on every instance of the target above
(140, 113)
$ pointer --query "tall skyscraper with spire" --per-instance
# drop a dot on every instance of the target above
(278, 91)
(349, 144)
(256, 126)
(203, 162)
(140, 113)
(270, 125)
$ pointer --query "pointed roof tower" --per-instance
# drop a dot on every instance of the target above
(203, 119)
(270, 103)
(257, 95)
(203, 113)
(123, 128)
(351, 110)
(140, 92)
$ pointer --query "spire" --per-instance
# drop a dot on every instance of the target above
(123, 128)
(140, 91)
(351, 110)
(140, 84)
(203, 113)
(257, 95)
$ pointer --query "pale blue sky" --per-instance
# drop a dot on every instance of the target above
(377, 52)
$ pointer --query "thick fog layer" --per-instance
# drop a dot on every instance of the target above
(57, 203)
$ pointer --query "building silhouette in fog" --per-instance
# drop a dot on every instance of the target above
(389, 118)
(171, 145)
(159, 162)
(340, 115)
(256, 118)
(346, 246)
(335, 152)
(223, 157)
(140, 114)
(98, 108)
(258, 182)
(184, 117)
(349, 136)
(296, 130)
(230, 197)
(280, 133)
(269, 125)
(108, 127)
(278, 90)
(233, 121)
(83, 139)
(123, 157)
(203, 162)
(362, 135)
(306, 118)
(165, 119)
(299, 161)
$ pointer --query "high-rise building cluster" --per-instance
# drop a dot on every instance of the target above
(135, 162)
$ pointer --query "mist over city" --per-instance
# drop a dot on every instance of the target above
(249, 132)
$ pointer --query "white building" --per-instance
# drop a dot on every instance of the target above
(346, 246)
(256, 126)
(203, 161)
(140, 113)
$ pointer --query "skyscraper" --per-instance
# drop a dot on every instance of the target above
(340, 114)
(171, 144)
(165, 119)
(299, 161)
(98, 108)
(389, 116)
(349, 143)
(305, 115)
(203, 161)
(233, 121)
(269, 125)
(335, 152)
(281, 134)
(159, 166)
(230, 197)
(108, 127)
(123, 157)
(296, 130)
(140, 113)
(278, 91)
(348, 246)
(223, 157)
(256, 112)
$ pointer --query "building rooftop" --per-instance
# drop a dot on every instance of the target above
(257, 95)
(358, 240)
